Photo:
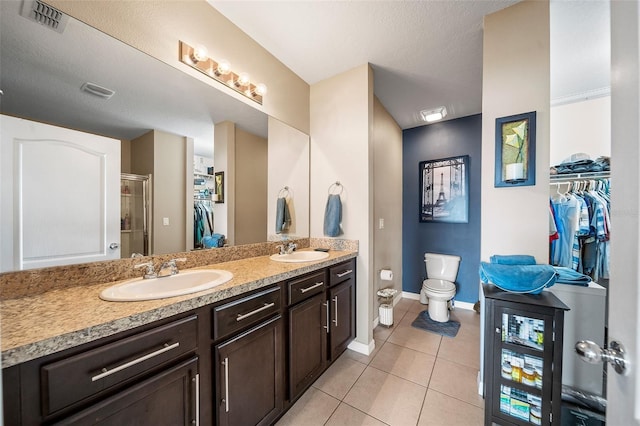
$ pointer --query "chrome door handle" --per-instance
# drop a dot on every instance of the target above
(197, 382)
(226, 384)
(335, 305)
(316, 285)
(114, 246)
(326, 326)
(592, 353)
(105, 372)
(342, 274)
(240, 317)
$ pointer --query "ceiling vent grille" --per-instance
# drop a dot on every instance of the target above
(45, 15)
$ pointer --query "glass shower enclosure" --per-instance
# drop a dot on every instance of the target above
(135, 214)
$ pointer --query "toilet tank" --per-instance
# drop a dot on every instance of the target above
(442, 266)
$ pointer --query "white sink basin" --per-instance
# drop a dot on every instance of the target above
(300, 256)
(158, 288)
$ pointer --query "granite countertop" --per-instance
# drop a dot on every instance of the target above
(40, 325)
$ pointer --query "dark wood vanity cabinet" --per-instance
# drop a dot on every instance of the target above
(342, 307)
(142, 374)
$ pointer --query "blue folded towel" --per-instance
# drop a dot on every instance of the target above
(214, 240)
(283, 217)
(518, 278)
(569, 276)
(513, 259)
(333, 216)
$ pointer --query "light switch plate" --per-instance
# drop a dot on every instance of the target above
(165, 221)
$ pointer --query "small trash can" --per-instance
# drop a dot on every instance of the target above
(386, 314)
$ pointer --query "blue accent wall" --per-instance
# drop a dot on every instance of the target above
(452, 138)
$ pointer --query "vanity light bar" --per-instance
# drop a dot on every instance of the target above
(219, 71)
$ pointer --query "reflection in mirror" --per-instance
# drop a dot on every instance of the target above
(161, 119)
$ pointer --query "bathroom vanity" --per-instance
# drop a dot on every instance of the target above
(241, 354)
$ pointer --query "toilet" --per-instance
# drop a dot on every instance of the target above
(439, 288)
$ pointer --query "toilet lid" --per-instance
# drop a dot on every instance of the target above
(439, 286)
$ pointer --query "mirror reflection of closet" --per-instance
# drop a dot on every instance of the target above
(580, 129)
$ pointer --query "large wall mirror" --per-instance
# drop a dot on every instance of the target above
(155, 105)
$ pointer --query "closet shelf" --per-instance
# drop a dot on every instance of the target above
(578, 176)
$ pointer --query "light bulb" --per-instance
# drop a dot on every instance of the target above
(244, 79)
(199, 54)
(223, 67)
(261, 89)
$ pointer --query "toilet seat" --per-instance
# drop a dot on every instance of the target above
(438, 286)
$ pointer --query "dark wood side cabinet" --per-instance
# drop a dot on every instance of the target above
(342, 307)
(522, 357)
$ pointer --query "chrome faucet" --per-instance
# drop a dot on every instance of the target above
(149, 272)
(169, 268)
(287, 248)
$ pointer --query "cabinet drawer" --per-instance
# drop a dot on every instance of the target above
(236, 315)
(342, 272)
(306, 287)
(80, 376)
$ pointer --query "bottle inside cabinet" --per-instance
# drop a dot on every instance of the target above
(523, 331)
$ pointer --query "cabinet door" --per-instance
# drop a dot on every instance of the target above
(250, 376)
(342, 314)
(307, 343)
(168, 398)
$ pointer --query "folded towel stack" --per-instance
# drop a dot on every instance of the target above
(569, 276)
(517, 274)
(333, 216)
(283, 217)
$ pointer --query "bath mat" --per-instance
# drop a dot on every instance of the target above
(424, 322)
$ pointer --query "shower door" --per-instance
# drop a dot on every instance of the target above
(134, 214)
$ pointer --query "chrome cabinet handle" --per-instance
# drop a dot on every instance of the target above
(197, 380)
(226, 384)
(335, 304)
(326, 326)
(240, 317)
(342, 274)
(316, 285)
(114, 246)
(106, 372)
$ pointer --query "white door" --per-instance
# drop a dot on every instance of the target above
(623, 391)
(60, 196)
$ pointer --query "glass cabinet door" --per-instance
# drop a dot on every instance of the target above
(523, 366)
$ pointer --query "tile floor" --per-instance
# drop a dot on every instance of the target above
(413, 377)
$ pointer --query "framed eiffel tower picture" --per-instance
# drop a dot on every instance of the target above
(444, 190)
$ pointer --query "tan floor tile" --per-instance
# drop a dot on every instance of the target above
(469, 322)
(382, 332)
(365, 359)
(457, 381)
(313, 408)
(462, 349)
(440, 409)
(417, 307)
(403, 305)
(346, 415)
(340, 377)
(405, 363)
(414, 338)
(386, 397)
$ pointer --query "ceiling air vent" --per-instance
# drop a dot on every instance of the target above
(44, 14)
(99, 91)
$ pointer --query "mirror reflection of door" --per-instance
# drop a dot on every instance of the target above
(45, 166)
(580, 147)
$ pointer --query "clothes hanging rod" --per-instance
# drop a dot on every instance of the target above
(567, 177)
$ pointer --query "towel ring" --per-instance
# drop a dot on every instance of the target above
(336, 185)
(284, 192)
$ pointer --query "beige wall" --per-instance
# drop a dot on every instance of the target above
(125, 156)
(341, 120)
(516, 80)
(289, 154)
(163, 155)
(251, 188)
(224, 158)
(387, 198)
(581, 127)
(155, 28)
(515, 220)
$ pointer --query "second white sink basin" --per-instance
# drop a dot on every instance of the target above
(300, 256)
(159, 288)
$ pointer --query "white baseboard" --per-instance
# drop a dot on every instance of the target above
(480, 385)
(362, 348)
(458, 304)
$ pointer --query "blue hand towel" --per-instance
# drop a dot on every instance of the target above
(333, 216)
(518, 278)
(283, 217)
(513, 259)
(569, 276)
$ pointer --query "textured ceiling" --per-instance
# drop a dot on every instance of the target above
(424, 53)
